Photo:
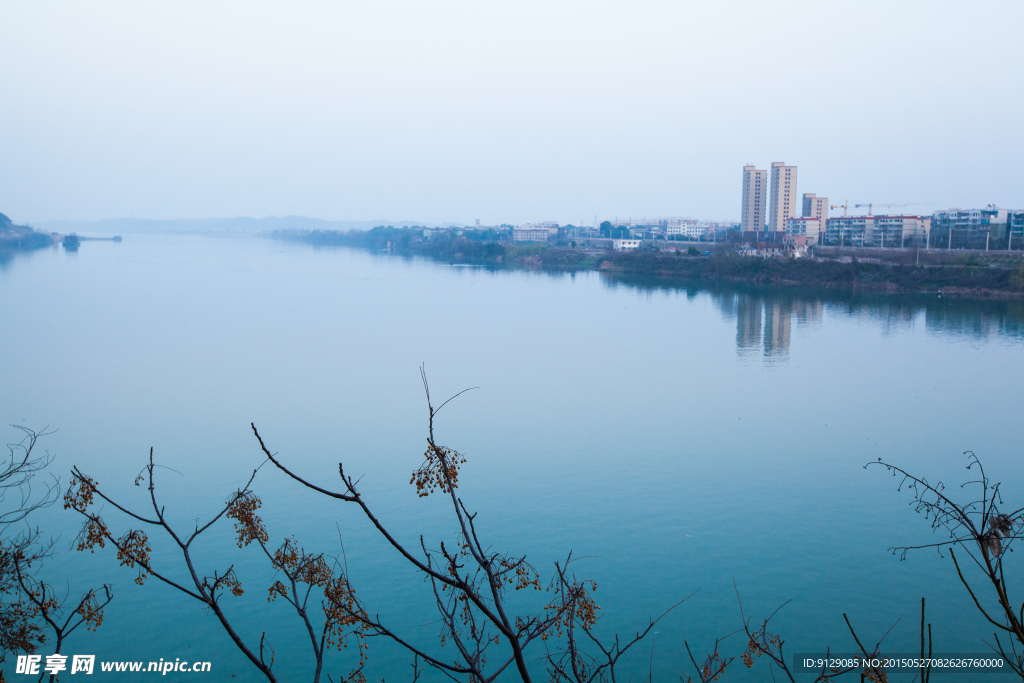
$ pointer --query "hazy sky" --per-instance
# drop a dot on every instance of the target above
(502, 111)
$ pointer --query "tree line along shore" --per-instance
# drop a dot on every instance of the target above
(978, 274)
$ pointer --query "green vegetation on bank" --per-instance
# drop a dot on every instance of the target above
(890, 272)
(835, 273)
(481, 247)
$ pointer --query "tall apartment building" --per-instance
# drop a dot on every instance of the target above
(815, 207)
(782, 204)
(755, 191)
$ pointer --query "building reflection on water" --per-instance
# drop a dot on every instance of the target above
(776, 327)
(748, 323)
(764, 324)
(764, 320)
(765, 316)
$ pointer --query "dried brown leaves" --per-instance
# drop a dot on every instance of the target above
(440, 470)
(575, 605)
(1000, 528)
(80, 493)
(91, 612)
(248, 525)
(133, 548)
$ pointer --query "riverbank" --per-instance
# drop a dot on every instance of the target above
(936, 271)
(843, 272)
(21, 237)
(16, 239)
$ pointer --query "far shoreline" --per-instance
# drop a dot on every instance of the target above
(979, 275)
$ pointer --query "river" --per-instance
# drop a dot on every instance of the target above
(678, 439)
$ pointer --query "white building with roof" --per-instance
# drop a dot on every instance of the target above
(531, 233)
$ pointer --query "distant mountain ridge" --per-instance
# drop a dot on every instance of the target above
(218, 226)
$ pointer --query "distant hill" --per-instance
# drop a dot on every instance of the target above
(215, 226)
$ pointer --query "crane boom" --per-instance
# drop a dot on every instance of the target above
(870, 205)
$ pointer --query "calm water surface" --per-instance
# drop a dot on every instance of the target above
(679, 439)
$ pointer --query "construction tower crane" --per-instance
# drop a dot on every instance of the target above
(870, 205)
(844, 206)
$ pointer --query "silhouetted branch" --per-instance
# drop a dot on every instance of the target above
(52, 609)
(133, 548)
(714, 664)
(17, 472)
(984, 532)
(469, 582)
(20, 629)
(870, 672)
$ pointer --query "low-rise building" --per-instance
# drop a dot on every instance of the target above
(531, 233)
(969, 228)
(687, 229)
(796, 246)
(899, 231)
(849, 231)
(877, 231)
(1015, 229)
(807, 227)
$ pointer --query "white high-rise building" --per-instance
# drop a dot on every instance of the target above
(782, 204)
(755, 192)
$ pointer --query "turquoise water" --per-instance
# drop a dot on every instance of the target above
(679, 439)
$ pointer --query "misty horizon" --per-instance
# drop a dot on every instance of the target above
(456, 112)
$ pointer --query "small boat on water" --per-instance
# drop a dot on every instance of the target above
(71, 242)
